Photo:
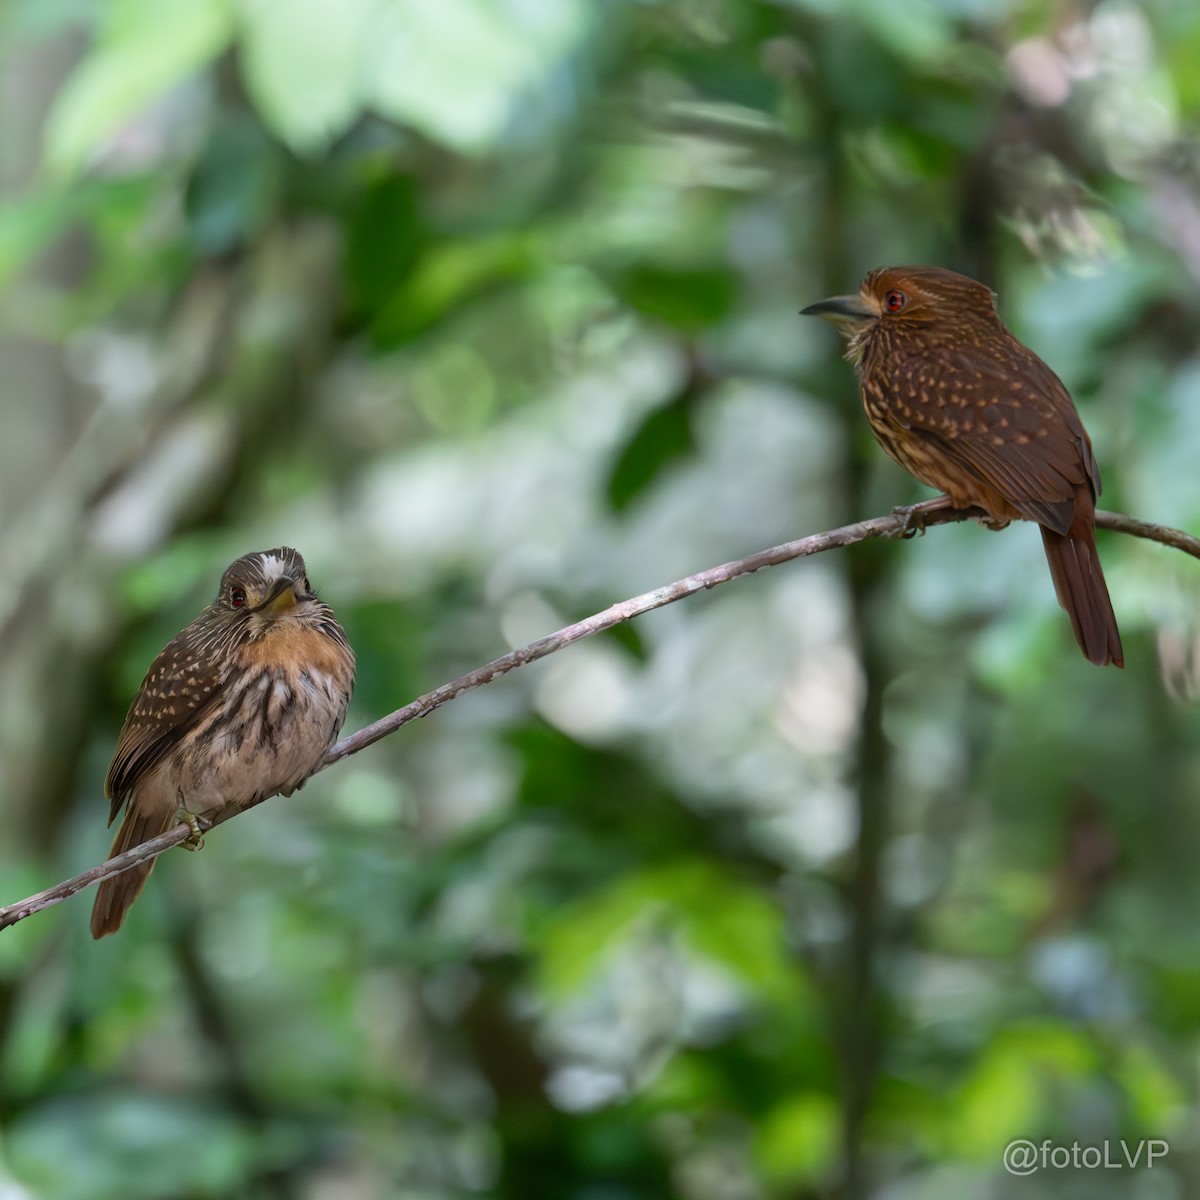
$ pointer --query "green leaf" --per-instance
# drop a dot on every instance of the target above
(690, 299)
(449, 277)
(459, 70)
(798, 1139)
(719, 918)
(385, 233)
(1004, 1097)
(1155, 1096)
(303, 65)
(28, 225)
(145, 49)
(664, 437)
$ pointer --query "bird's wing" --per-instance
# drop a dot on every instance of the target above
(1011, 424)
(180, 687)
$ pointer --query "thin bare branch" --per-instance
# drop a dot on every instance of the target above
(1163, 534)
(891, 526)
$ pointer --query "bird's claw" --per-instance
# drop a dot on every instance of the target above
(913, 516)
(189, 818)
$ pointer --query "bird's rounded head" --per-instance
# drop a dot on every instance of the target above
(905, 297)
(267, 583)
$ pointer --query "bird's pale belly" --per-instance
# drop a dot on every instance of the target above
(268, 737)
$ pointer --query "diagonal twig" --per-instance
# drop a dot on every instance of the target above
(895, 524)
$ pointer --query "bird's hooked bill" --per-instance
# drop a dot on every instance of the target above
(851, 310)
(281, 595)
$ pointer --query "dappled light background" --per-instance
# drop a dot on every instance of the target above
(831, 882)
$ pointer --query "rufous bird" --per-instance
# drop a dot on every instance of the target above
(957, 401)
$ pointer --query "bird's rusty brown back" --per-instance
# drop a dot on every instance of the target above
(970, 411)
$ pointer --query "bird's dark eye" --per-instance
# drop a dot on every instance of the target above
(307, 586)
(237, 596)
(894, 301)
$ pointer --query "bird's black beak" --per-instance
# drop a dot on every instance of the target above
(281, 596)
(848, 312)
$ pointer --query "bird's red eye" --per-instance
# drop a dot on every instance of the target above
(894, 301)
(237, 597)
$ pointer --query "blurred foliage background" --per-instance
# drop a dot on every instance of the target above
(829, 883)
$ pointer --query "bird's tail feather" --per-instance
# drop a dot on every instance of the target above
(1079, 583)
(117, 894)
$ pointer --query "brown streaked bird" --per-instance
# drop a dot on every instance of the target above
(957, 401)
(239, 706)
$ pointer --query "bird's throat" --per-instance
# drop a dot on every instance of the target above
(857, 346)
